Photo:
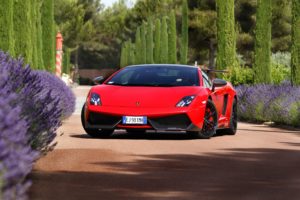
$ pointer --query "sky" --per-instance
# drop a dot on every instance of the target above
(108, 3)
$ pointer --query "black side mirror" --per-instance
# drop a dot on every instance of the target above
(218, 83)
(98, 80)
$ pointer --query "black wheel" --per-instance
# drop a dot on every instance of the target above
(96, 133)
(210, 122)
(233, 120)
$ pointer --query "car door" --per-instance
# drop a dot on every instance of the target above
(217, 95)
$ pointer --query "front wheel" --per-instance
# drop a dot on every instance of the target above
(95, 133)
(210, 122)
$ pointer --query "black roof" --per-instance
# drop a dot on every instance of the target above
(162, 65)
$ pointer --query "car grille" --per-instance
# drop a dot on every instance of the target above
(171, 122)
(103, 119)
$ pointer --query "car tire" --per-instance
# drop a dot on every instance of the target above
(95, 133)
(233, 120)
(210, 122)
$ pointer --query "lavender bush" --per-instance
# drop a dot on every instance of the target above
(32, 106)
(276, 103)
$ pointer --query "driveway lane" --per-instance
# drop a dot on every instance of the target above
(258, 163)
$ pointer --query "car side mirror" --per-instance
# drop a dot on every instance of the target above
(218, 83)
(98, 80)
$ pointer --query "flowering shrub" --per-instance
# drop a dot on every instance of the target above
(32, 106)
(277, 103)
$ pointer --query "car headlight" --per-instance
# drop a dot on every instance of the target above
(185, 101)
(95, 99)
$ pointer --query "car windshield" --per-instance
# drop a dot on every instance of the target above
(156, 76)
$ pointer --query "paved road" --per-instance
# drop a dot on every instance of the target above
(258, 163)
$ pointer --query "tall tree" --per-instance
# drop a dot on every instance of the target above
(22, 31)
(143, 41)
(184, 33)
(157, 41)
(34, 39)
(296, 42)
(123, 62)
(39, 36)
(164, 41)
(263, 36)
(149, 44)
(130, 53)
(172, 39)
(138, 46)
(66, 61)
(6, 26)
(48, 34)
(226, 36)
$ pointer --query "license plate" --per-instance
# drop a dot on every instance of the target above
(134, 120)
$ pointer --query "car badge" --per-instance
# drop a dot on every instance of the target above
(137, 103)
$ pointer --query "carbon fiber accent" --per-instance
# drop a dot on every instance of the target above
(103, 119)
(174, 122)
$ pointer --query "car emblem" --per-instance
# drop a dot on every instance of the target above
(137, 103)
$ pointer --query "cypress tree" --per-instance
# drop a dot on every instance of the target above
(263, 36)
(39, 37)
(6, 26)
(66, 61)
(172, 39)
(138, 46)
(149, 44)
(130, 53)
(33, 19)
(48, 34)
(22, 32)
(295, 76)
(144, 46)
(226, 35)
(157, 41)
(123, 62)
(164, 41)
(185, 34)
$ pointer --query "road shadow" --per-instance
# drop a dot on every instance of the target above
(235, 174)
(145, 136)
(139, 136)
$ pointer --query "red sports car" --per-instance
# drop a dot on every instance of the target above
(162, 98)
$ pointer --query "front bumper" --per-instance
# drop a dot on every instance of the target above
(160, 119)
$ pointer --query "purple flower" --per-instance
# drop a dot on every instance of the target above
(32, 105)
(277, 103)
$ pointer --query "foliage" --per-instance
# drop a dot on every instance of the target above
(32, 105)
(22, 32)
(239, 75)
(277, 103)
(184, 33)
(6, 26)
(66, 61)
(48, 34)
(149, 43)
(296, 43)
(172, 38)
(143, 42)
(157, 45)
(39, 36)
(226, 36)
(280, 67)
(164, 41)
(262, 64)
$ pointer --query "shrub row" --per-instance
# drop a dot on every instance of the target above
(276, 103)
(32, 107)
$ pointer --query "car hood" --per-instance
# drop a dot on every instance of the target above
(123, 96)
